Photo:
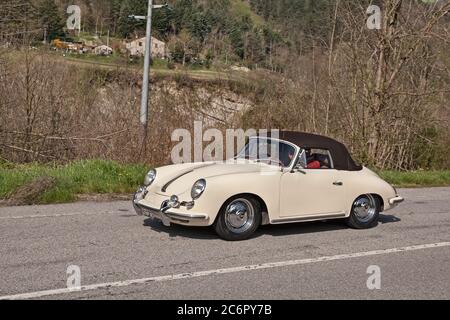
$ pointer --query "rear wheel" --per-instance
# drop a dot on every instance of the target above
(239, 218)
(365, 212)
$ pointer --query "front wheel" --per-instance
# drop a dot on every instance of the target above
(365, 212)
(239, 218)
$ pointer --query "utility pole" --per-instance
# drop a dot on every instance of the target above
(143, 116)
(45, 35)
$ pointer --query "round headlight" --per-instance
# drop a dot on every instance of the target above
(198, 188)
(150, 177)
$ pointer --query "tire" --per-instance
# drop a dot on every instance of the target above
(365, 212)
(232, 226)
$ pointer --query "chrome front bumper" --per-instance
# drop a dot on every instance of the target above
(163, 214)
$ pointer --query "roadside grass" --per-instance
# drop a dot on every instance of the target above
(112, 59)
(417, 179)
(108, 177)
(76, 178)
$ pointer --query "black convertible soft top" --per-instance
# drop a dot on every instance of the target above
(341, 157)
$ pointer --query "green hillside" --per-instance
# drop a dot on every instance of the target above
(253, 33)
(242, 8)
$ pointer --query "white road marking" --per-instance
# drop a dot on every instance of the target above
(56, 215)
(189, 275)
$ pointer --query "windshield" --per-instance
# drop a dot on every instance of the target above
(269, 151)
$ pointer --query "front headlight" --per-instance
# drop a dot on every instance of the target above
(150, 177)
(198, 188)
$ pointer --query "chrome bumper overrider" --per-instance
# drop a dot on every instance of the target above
(163, 212)
(396, 201)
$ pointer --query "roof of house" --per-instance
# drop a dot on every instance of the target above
(143, 39)
(104, 47)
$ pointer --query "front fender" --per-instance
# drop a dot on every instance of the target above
(367, 182)
(220, 189)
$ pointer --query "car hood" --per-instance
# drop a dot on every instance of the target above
(178, 179)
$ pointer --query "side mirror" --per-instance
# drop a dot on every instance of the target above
(299, 170)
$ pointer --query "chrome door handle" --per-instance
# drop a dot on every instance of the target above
(338, 183)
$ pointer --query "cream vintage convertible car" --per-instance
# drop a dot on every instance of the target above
(300, 177)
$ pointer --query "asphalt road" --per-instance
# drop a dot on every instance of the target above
(123, 256)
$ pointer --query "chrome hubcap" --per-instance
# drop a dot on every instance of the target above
(239, 215)
(365, 208)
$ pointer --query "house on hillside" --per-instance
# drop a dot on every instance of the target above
(103, 50)
(137, 48)
(59, 44)
(75, 47)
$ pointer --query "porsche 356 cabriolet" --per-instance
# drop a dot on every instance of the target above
(306, 178)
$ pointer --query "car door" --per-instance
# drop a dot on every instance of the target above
(312, 192)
